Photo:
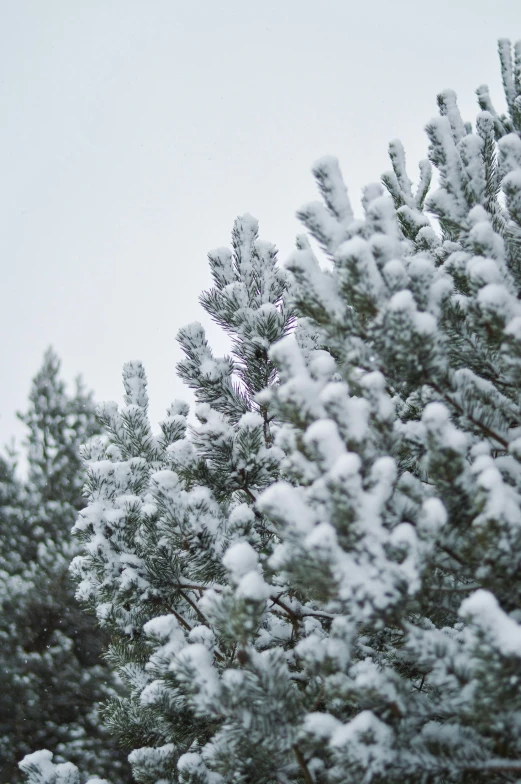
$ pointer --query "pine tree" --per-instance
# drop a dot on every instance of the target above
(165, 510)
(52, 676)
(403, 517)
(320, 582)
(14, 545)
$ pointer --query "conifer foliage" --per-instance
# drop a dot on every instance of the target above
(320, 581)
(175, 546)
(51, 674)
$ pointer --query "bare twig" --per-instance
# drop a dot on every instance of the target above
(195, 608)
(302, 764)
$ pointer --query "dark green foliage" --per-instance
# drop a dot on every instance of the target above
(52, 676)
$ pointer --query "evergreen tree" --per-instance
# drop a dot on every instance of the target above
(402, 518)
(164, 510)
(13, 545)
(320, 581)
(52, 677)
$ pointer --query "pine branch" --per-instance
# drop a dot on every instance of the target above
(302, 764)
(484, 428)
(194, 607)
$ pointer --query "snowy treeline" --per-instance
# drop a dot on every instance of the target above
(318, 579)
(52, 675)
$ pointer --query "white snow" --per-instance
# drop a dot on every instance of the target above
(283, 502)
(482, 610)
(436, 418)
(433, 515)
(240, 559)
(252, 586)
(324, 436)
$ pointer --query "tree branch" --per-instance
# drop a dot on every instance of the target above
(484, 428)
(302, 764)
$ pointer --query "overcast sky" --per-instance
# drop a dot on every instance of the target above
(134, 131)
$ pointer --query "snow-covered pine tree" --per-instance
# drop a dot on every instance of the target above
(175, 546)
(403, 519)
(51, 673)
(360, 620)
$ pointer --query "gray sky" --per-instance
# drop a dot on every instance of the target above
(134, 131)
